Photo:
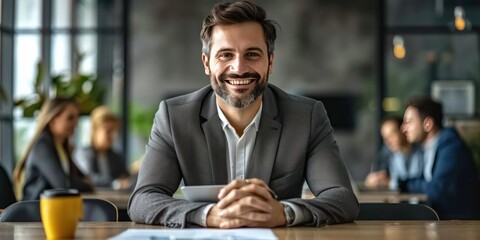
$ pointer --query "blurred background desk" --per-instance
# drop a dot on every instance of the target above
(119, 198)
(385, 196)
(390, 197)
(358, 230)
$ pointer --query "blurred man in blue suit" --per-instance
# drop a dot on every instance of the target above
(449, 179)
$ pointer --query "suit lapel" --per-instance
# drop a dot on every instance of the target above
(261, 163)
(264, 153)
(216, 141)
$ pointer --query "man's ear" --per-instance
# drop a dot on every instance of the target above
(270, 63)
(428, 124)
(206, 64)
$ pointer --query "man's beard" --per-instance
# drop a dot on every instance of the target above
(220, 88)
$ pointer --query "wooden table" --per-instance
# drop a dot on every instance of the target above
(359, 230)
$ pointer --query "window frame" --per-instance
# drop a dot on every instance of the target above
(105, 34)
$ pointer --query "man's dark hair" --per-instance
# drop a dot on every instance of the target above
(237, 12)
(427, 107)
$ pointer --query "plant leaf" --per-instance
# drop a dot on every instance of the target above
(39, 77)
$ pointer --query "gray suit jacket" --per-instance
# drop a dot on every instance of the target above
(43, 170)
(294, 143)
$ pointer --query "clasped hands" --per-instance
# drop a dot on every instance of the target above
(246, 203)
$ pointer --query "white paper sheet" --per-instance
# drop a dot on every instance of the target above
(197, 233)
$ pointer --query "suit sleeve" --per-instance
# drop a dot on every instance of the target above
(327, 176)
(159, 177)
(448, 165)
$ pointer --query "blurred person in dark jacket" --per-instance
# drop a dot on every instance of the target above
(47, 160)
(397, 160)
(100, 161)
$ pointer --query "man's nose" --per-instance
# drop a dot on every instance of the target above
(239, 65)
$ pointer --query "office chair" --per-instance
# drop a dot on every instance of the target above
(7, 196)
(396, 211)
(94, 210)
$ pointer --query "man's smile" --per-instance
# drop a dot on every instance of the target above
(240, 82)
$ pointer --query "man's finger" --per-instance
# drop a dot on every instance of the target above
(235, 184)
(246, 205)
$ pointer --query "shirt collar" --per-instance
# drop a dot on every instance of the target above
(432, 144)
(255, 121)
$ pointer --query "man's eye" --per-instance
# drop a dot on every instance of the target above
(253, 54)
(225, 55)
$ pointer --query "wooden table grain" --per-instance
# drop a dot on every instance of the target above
(359, 230)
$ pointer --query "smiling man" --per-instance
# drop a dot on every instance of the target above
(242, 132)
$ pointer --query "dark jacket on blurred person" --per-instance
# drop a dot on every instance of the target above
(454, 190)
(44, 170)
(102, 171)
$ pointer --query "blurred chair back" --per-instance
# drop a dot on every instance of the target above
(396, 211)
(22, 211)
(94, 210)
(99, 210)
(7, 196)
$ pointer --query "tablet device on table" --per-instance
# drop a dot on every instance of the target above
(202, 193)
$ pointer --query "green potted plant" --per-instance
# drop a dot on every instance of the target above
(141, 119)
(83, 87)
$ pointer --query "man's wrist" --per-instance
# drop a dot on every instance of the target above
(205, 213)
(199, 216)
(289, 214)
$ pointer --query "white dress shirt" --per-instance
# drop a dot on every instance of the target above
(240, 148)
(429, 150)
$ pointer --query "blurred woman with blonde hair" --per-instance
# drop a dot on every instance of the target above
(100, 161)
(47, 162)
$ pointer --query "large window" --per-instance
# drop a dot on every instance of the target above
(428, 44)
(63, 38)
(428, 41)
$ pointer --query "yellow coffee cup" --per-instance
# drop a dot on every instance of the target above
(60, 210)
